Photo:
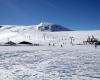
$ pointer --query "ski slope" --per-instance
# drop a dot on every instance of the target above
(32, 34)
(49, 63)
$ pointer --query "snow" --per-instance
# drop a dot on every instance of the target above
(49, 63)
(18, 33)
(44, 62)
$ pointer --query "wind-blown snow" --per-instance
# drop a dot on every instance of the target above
(49, 63)
(44, 62)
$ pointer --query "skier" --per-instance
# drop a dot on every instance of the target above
(96, 45)
(53, 44)
(49, 44)
(61, 45)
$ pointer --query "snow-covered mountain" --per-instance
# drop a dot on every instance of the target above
(44, 33)
(51, 27)
(40, 27)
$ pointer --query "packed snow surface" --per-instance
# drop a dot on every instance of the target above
(54, 59)
(78, 62)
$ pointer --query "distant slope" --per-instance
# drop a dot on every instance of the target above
(18, 33)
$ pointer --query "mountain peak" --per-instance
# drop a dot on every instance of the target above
(46, 23)
(46, 26)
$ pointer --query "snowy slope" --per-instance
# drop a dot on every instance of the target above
(78, 62)
(49, 63)
(18, 33)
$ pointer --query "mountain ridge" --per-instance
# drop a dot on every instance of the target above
(43, 26)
